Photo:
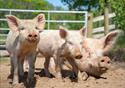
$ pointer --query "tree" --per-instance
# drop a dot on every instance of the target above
(23, 4)
(87, 5)
(97, 6)
(26, 4)
(119, 8)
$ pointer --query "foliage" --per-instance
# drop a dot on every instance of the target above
(85, 5)
(67, 16)
(88, 5)
(25, 4)
(119, 8)
(97, 6)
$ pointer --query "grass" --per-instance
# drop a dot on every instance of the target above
(2, 39)
(4, 60)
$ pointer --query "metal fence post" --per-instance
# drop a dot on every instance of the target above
(10, 12)
(86, 21)
(48, 20)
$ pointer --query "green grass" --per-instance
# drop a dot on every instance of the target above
(2, 39)
(4, 60)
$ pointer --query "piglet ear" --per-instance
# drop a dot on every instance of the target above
(83, 31)
(40, 19)
(13, 22)
(63, 32)
(110, 40)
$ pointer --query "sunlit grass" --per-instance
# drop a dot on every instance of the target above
(4, 60)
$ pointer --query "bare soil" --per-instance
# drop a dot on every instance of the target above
(114, 78)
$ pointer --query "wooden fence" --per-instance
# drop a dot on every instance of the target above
(99, 31)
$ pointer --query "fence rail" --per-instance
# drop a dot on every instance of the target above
(10, 11)
(49, 11)
(99, 18)
(99, 32)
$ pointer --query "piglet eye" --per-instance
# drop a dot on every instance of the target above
(70, 43)
(22, 28)
(81, 43)
(102, 60)
(108, 62)
(36, 28)
(40, 31)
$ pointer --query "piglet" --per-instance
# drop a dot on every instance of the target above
(22, 42)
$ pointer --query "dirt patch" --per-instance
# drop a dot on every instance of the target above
(115, 78)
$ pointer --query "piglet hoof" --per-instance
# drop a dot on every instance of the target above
(30, 83)
(19, 85)
(84, 76)
(10, 78)
(58, 76)
(15, 82)
(10, 81)
(79, 76)
(47, 73)
(21, 78)
(73, 75)
(15, 85)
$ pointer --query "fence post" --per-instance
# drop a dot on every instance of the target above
(10, 12)
(48, 20)
(90, 25)
(106, 20)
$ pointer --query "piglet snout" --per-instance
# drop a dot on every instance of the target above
(105, 63)
(33, 36)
